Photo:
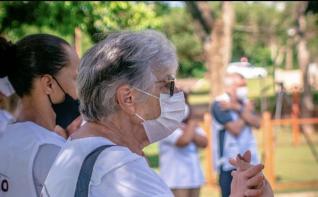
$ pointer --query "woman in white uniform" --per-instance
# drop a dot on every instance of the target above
(8, 99)
(42, 71)
(8, 107)
(128, 100)
(179, 158)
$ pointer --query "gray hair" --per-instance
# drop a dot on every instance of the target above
(133, 58)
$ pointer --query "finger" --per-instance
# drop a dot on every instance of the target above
(253, 192)
(253, 170)
(233, 173)
(255, 181)
(242, 165)
(261, 185)
(233, 162)
(247, 156)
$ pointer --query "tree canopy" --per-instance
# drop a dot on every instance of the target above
(260, 30)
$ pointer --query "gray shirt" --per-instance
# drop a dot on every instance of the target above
(42, 163)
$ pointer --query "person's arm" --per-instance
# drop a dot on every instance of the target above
(249, 116)
(235, 127)
(224, 117)
(200, 138)
(188, 134)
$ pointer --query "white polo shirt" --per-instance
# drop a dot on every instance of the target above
(117, 172)
(5, 118)
(180, 166)
(23, 146)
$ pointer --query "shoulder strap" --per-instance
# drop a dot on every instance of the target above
(86, 172)
(221, 145)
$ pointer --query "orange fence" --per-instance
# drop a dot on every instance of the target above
(269, 149)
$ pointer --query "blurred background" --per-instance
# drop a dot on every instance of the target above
(278, 40)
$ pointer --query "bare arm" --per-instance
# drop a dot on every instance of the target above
(200, 140)
(249, 116)
(187, 135)
(235, 127)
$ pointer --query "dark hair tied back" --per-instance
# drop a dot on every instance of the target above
(7, 56)
(31, 57)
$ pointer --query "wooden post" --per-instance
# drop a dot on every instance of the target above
(295, 130)
(268, 148)
(210, 174)
(295, 117)
(77, 40)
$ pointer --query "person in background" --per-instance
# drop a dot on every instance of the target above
(42, 71)
(179, 157)
(233, 119)
(8, 108)
(9, 100)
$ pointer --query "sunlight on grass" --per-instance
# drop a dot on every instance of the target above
(200, 95)
(196, 99)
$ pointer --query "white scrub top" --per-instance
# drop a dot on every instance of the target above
(25, 158)
(5, 118)
(117, 172)
(180, 166)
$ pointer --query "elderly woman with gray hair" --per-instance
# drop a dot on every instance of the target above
(128, 98)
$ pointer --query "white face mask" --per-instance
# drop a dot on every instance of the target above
(172, 113)
(186, 112)
(241, 93)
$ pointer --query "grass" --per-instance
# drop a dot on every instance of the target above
(291, 163)
(200, 94)
(294, 163)
(196, 99)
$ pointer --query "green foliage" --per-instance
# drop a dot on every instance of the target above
(115, 16)
(256, 25)
(64, 17)
(189, 47)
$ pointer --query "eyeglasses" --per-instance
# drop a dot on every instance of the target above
(171, 84)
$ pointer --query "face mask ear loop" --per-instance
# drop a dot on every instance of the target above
(59, 84)
(141, 118)
(146, 93)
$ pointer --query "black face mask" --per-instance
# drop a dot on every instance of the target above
(66, 111)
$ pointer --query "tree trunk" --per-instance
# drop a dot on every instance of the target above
(303, 61)
(215, 59)
(220, 49)
(217, 40)
(77, 40)
(289, 55)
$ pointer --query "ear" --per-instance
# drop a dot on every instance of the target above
(46, 83)
(124, 98)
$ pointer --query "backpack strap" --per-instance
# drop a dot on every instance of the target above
(85, 174)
